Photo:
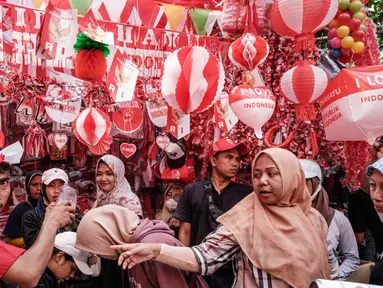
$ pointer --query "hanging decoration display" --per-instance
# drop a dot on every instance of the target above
(303, 85)
(351, 108)
(347, 31)
(158, 112)
(129, 117)
(254, 106)
(178, 123)
(90, 63)
(162, 141)
(60, 140)
(92, 128)
(248, 51)
(128, 149)
(300, 19)
(192, 79)
(224, 117)
(35, 142)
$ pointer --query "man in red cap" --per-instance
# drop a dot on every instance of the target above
(203, 202)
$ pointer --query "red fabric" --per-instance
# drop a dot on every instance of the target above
(8, 255)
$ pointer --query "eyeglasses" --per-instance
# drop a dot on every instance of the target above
(176, 197)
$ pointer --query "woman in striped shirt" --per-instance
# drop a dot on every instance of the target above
(275, 237)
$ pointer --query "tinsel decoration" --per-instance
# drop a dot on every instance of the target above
(35, 142)
(90, 62)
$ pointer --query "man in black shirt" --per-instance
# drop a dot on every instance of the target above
(202, 202)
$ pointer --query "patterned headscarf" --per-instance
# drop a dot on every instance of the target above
(122, 194)
(378, 165)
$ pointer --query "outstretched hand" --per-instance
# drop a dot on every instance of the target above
(133, 254)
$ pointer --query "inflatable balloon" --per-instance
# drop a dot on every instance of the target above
(336, 43)
(359, 15)
(354, 24)
(335, 53)
(343, 19)
(333, 24)
(347, 42)
(355, 6)
(358, 35)
(82, 6)
(358, 47)
(343, 31)
(331, 33)
(254, 106)
(344, 4)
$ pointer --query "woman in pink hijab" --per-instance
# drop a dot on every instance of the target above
(273, 235)
(112, 186)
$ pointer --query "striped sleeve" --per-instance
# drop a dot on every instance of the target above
(216, 250)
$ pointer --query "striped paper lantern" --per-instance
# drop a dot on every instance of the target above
(248, 51)
(302, 85)
(192, 79)
(92, 128)
(301, 18)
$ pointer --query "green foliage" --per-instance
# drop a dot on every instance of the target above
(376, 15)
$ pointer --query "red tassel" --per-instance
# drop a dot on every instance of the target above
(34, 141)
(314, 142)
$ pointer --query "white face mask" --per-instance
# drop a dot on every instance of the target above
(171, 204)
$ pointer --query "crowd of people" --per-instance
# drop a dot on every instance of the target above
(281, 232)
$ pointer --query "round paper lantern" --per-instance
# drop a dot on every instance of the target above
(248, 51)
(92, 128)
(192, 79)
(302, 85)
(301, 18)
(254, 106)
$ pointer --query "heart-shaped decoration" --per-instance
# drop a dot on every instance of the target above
(60, 140)
(162, 141)
(128, 150)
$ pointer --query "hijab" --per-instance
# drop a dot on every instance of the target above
(122, 194)
(320, 201)
(28, 180)
(105, 226)
(288, 239)
(165, 214)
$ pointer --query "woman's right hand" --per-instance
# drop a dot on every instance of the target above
(377, 151)
(133, 254)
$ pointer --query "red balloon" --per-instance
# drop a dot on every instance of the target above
(340, 11)
(346, 51)
(344, 59)
(343, 19)
(354, 24)
(358, 35)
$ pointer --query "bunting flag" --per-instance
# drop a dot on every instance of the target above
(174, 14)
(199, 18)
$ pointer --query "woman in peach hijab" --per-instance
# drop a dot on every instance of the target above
(274, 236)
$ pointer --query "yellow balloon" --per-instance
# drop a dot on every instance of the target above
(333, 24)
(358, 47)
(347, 42)
(343, 31)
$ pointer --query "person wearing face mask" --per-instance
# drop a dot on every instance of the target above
(172, 196)
(52, 182)
(276, 238)
(12, 230)
(340, 238)
(113, 187)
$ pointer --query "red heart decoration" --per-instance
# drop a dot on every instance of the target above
(60, 140)
(162, 141)
(128, 150)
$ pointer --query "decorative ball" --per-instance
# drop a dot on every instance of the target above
(344, 4)
(336, 43)
(332, 33)
(335, 53)
(347, 42)
(359, 15)
(358, 47)
(354, 24)
(355, 6)
(358, 35)
(346, 51)
(363, 27)
(90, 65)
(343, 31)
(343, 18)
(333, 24)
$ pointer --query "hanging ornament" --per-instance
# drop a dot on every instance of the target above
(248, 51)
(270, 133)
(300, 19)
(254, 106)
(90, 63)
(35, 141)
(93, 128)
(128, 149)
(192, 79)
(302, 85)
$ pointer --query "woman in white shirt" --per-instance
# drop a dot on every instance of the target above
(340, 238)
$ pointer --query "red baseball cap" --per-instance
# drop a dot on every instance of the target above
(226, 144)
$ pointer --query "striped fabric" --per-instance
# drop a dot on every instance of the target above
(219, 248)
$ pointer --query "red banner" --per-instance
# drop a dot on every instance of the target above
(146, 47)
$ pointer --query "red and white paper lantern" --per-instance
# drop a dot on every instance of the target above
(192, 79)
(248, 51)
(254, 106)
(92, 128)
(300, 19)
(302, 85)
